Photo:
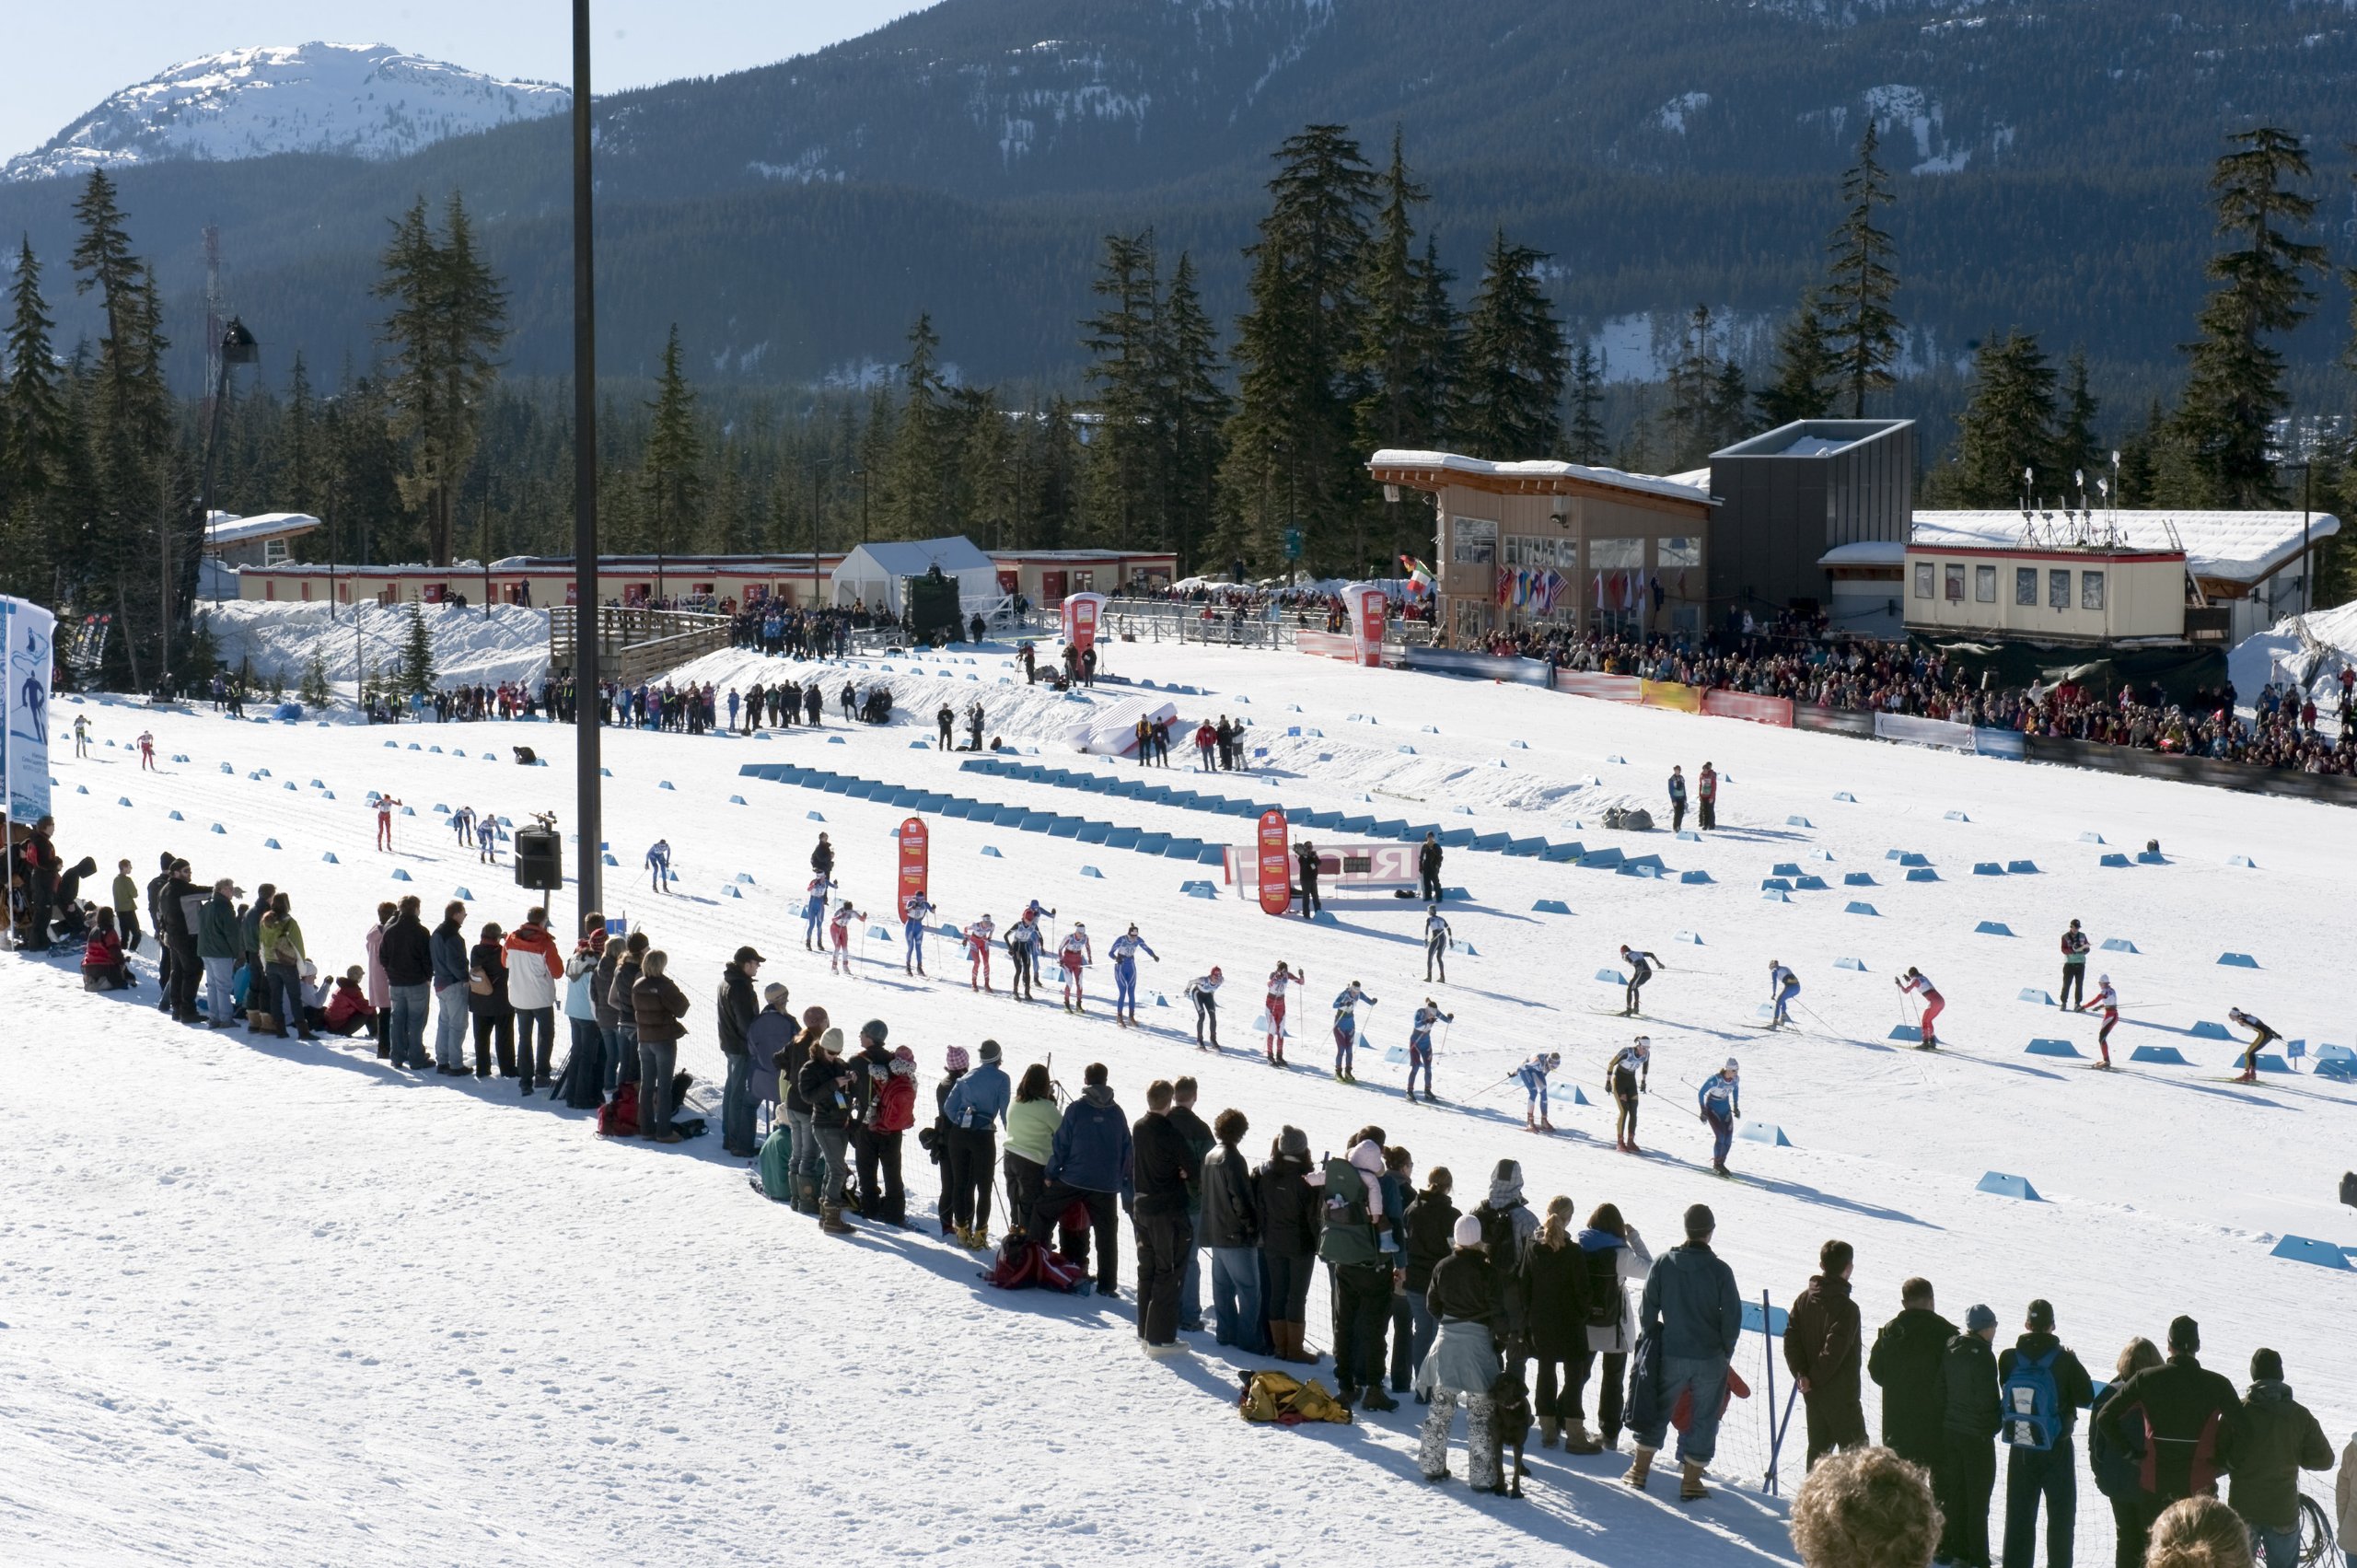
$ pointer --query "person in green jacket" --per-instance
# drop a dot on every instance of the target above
(2280, 1439)
(219, 942)
(1360, 1274)
(1031, 1123)
(280, 942)
(127, 905)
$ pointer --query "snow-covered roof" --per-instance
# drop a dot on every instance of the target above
(1699, 478)
(222, 530)
(1482, 468)
(1814, 437)
(2243, 547)
(1866, 552)
(911, 558)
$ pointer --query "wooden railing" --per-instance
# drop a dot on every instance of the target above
(634, 644)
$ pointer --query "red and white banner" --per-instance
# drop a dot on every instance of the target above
(1367, 608)
(1326, 644)
(1341, 869)
(1081, 612)
(915, 855)
(1603, 688)
(1275, 863)
(1777, 710)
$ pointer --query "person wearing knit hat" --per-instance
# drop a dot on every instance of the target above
(2280, 1439)
(935, 1139)
(1694, 1313)
(1358, 1272)
(1463, 1362)
(1286, 1188)
(2041, 1464)
(1966, 1473)
(766, 1039)
(826, 1083)
(2185, 1417)
(975, 1104)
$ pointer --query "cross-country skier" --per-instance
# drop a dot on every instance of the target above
(2261, 1037)
(813, 913)
(1124, 953)
(1706, 798)
(1023, 949)
(1783, 986)
(1278, 979)
(462, 822)
(658, 865)
(1346, 1031)
(2106, 1005)
(487, 838)
(1437, 942)
(1918, 983)
(1420, 1046)
(385, 804)
(838, 929)
(912, 919)
(1073, 953)
(81, 735)
(2074, 966)
(1625, 1075)
(1721, 1098)
(978, 953)
(1533, 1076)
(1033, 910)
(1677, 797)
(1641, 969)
(1204, 989)
(147, 753)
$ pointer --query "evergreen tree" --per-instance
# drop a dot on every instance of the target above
(1125, 370)
(1402, 341)
(1193, 410)
(924, 445)
(1515, 367)
(1690, 421)
(444, 330)
(1860, 325)
(1805, 371)
(2077, 453)
(2234, 392)
(1584, 433)
(1292, 459)
(314, 691)
(1055, 505)
(417, 655)
(298, 441)
(988, 472)
(1729, 404)
(32, 435)
(671, 473)
(2006, 429)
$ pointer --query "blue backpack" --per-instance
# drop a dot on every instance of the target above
(2031, 1405)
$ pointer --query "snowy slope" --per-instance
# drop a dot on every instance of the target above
(2281, 654)
(509, 644)
(277, 1304)
(368, 100)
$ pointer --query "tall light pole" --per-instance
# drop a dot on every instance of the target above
(588, 799)
(237, 346)
(818, 467)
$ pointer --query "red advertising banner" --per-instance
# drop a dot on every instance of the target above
(1080, 611)
(1372, 609)
(915, 857)
(1777, 710)
(1276, 863)
(1603, 688)
(572, 593)
(433, 593)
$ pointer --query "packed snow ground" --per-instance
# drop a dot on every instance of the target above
(274, 1303)
(276, 639)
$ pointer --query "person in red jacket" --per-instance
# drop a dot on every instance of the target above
(1205, 738)
(348, 1009)
(102, 965)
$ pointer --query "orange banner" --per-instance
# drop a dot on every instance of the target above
(1670, 694)
(1276, 863)
(915, 857)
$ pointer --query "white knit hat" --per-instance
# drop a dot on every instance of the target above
(1468, 1232)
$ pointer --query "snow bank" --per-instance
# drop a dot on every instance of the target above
(510, 644)
(2314, 661)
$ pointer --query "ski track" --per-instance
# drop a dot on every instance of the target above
(271, 1303)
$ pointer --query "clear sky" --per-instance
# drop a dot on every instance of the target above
(60, 60)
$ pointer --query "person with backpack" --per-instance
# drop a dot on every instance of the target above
(1463, 1365)
(1031, 1123)
(2189, 1420)
(882, 1110)
(1430, 1225)
(1231, 1228)
(1163, 1165)
(826, 1083)
(2040, 1388)
(1967, 1472)
(1290, 1216)
(1092, 1163)
(1358, 1273)
(766, 1038)
(1508, 1228)
(970, 1113)
(734, 1009)
(658, 1005)
(1822, 1351)
(2120, 1471)
(487, 1004)
(1690, 1318)
(1905, 1364)
(1559, 1282)
(1617, 1256)
(2279, 1440)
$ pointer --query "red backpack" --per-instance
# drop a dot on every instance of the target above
(896, 1104)
(618, 1117)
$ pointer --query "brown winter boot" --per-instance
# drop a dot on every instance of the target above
(1548, 1429)
(1690, 1486)
(830, 1220)
(1640, 1469)
(1577, 1441)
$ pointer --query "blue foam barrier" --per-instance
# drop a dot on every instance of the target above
(434, 750)
(1987, 868)
(1689, 936)
(1798, 822)
(602, 773)
(81, 789)
(1858, 879)
(2004, 1186)
(1785, 868)
(1907, 1032)
(1693, 878)
(270, 843)
(834, 741)
(1200, 890)
(1687, 835)
(1764, 1133)
(415, 747)
(228, 768)
(1809, 885)
(1594, 860)
(2051, 1048)
(1845, 796)
(1092, 871)
(2205, 1029)
(123, 800)
(880, 935)
(609, 860)
(399, 875)
(2021, 868)
(745, 877)
(175, 817)
(2242, 860)
(2272, 1064)
(731, 891)
(1855, 906)
(1775, 895)
(1325, 917)
(1922, 874)
(2232, 960)
(463, 893)
(1957, 817)
(2306, 1249)
(409, 810)
(1612, 977)
(2120, 945)
(1993, 928)
(1777, 884)
(1469, 951)
(2330, 1052)
(1910, 858)
(2091, 838)
(1622, 761)
(220, 829)
(2339, 1069)
(330, 859)
(1551, 906)
(392, 744)
(2113, 859)
(2159, 1055)
(2032, 993)
(920, 745)
(1857, 964)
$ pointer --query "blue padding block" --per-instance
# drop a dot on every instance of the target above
(1211, 854)
(1612, 977)
(1551, 906)
(330, 859)
(1957, 817)
(1561, 853)
(1775, 883)
(399, 875)
(1182, 849)
(2115, 860)
(220, 829)
(1775, 895)
(834, 741)
(1857, 879)
(1200, 890)
(2052, 1048)
(1993, 928)
(176, 816)
(2159, 1055)
(2032, 993)
(736, 800)
(1459, 893)
(1152, 844)
(1365, 824)
(1065, 828)
(2021, 868)
(270, 843)
(2091, 838)
(1093, 832)
(992, 851)
(1092, 871)
(1455, 838)
(1687, 835)
(1798, 822)
(1907, 1032)
(1602, 859)
(1855, 906)
(1324, 819)
(1529, 848)
(1774, 1322)
(1857, 964)
(2120, 945)
(1693, 878)
(2242, 860)
(1764, 1133)
(2339, 1069)
(1690, 936)
(745, 877)
(1922, 874)
(2004, 1186)
(228, 768)
(2238, 960)
(2150, 857)
(2273, 1064)
(1786, 868)
(610, 860)
(2208, 1030)
(1326, 917)
(1987, 868)
(1809, 885)
(2304, 1249)
(1123, 838)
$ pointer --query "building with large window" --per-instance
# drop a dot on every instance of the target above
(1543, 543)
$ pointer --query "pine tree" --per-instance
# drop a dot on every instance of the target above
(1515, 367)
(1805, 371)
(672, 472)
(1123, 475)
(923, 445)
(1729, 406)
(1399, 347)
(1292, 459)
(2006, 430)
(33, 435)
(1691, 420)
(417, 655)
(2234, 392)
(444, 330)
(1193, 411)
(1860, 325)
(314, 691)
(1584, 432)
(2076, 452)
(298, 440)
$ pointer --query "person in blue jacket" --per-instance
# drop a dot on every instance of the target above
(1783, 986)
(977, 1101)
(1692, 1315)
(1420, 1046)
(1089, 1164)
(658, 865)
(912, 919)
(813, 913)
(1722, 1102)
(1346, 1031)
(1125, 950)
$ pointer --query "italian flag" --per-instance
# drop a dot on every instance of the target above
(1420, 576)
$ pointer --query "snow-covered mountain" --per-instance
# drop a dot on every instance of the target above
(367, 100)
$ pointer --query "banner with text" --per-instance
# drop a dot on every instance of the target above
(916, 841)
(1275, 863)
(1777, 710)
(31, 640)
(1908, 729)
